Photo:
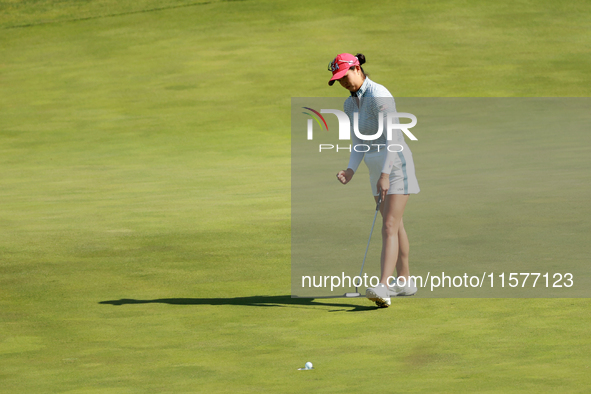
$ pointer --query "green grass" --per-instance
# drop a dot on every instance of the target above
(144, 156)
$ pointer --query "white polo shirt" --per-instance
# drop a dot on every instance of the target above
(368, 102)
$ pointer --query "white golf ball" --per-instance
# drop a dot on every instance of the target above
(308, 365)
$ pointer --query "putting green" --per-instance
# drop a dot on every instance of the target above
(145, 197)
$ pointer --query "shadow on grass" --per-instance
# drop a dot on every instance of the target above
(260, 301)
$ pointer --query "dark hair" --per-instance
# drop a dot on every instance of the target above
(361, 58)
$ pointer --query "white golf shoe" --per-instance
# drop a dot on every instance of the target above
(379, 295)
(408, 289)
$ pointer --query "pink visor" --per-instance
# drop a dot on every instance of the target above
(340, 65)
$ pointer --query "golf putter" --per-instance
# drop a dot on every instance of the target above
(357, 294)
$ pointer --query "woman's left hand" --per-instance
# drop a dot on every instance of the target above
(383, 185)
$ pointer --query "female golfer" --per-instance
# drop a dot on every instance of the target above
(391, 169)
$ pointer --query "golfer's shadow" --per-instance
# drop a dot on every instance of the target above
(259, 301)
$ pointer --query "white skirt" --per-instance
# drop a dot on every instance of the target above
(402, 178)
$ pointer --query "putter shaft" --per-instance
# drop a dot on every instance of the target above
(370, 233)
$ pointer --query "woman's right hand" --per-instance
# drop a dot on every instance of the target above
(345, 176)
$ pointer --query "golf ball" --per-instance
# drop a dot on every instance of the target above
(308, 365)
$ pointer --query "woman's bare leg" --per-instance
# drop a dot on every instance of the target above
(392, 210)
(403, 252)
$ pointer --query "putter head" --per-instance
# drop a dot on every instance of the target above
(352, 295)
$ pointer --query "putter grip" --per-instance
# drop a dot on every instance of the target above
(379, 202)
